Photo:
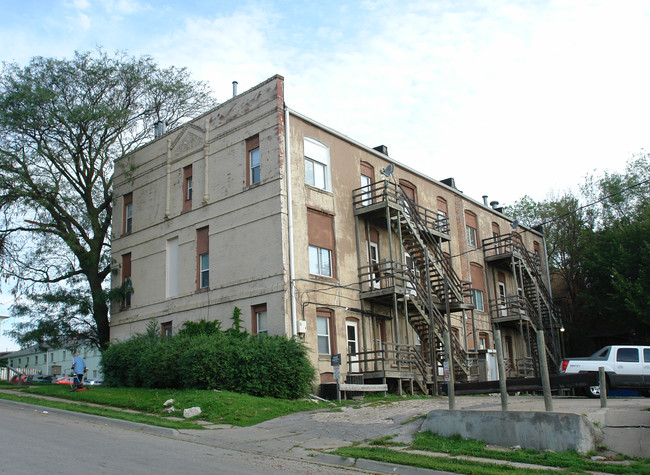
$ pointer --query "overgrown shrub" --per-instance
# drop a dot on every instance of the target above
(233, 360)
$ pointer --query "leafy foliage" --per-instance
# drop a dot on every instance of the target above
(63, 123)
(258, 365)
(598, 247)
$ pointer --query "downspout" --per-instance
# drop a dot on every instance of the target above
(292, 274)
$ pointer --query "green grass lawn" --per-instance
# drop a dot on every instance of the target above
(218, 407)
(387, 451)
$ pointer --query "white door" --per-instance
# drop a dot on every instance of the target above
(366, 193)
(375, 282)
(412, 271)
(353, 344)
(502, 299)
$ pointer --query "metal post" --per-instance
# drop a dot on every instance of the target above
(603, 386)
(502, 370)
(451, 393)
(543, 369)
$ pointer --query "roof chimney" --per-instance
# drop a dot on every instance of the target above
(159, 129)
(449, 182)
(234, 88)
(381, 149)
(485, 202)
(494, 204)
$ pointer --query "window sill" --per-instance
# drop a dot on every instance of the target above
(254, 185)
(320, 190)
(322, 278)
(203, 289)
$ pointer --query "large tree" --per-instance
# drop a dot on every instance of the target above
(598, 244)
(63, 123)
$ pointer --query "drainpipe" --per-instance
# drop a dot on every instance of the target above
(292, 282)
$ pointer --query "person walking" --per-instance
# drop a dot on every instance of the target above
(79, 368)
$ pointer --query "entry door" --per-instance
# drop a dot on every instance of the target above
(366, 193)
(375, 283)
(502, 299)
(353, 344)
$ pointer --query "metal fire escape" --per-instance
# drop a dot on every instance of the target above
(532, 307)
(423, 287)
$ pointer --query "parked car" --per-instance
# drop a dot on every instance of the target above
(23, 378)
(626, 367)
(69, 380)
(43, 378)
(94, 382)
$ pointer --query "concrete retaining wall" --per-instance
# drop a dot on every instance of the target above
(533, 430)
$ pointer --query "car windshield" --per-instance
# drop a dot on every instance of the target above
(601, 354)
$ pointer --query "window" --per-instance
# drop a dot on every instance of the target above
(45, 358)
(127, 285)
(325, 331)
(253, 160)
(320, 261)
(628, 355)
(478, 287)
(128, 213)
(646, 355)
(483, 341)
(36, 359)
(471, 229)
(259, 320)
(203, 257)
(317, 164)
(321, 243)
(166, 329)
(187, 188)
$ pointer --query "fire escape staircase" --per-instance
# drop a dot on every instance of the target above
(536, 301)
(429, 264)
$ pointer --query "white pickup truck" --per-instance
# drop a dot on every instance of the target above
(626, 367)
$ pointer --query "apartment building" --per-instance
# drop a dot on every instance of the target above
(56, 362)
(313, 234)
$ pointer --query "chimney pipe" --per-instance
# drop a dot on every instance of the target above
(485, 202)
(234, 88)
(494, 204)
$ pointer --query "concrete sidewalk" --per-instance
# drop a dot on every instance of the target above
(625, 424)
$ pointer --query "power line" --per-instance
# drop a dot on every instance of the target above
(588, 205)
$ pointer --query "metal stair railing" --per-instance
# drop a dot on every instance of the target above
(459, 354)
(437, 262)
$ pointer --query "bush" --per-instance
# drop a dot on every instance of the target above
(259, 365)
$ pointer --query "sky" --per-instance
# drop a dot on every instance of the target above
(510, 98)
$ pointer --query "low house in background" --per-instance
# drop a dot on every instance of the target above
(313, 234)
(55, 362)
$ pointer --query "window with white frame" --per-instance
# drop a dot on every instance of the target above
(253, 160)
(477, 298)
(128, 213)
(320, 261)
(471, 227)
(321, 243)
(317, 164)
(260, 326)
(323, 331)
(203, 257)
(478, 286)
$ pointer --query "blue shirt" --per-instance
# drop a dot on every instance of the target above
(78, 365)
